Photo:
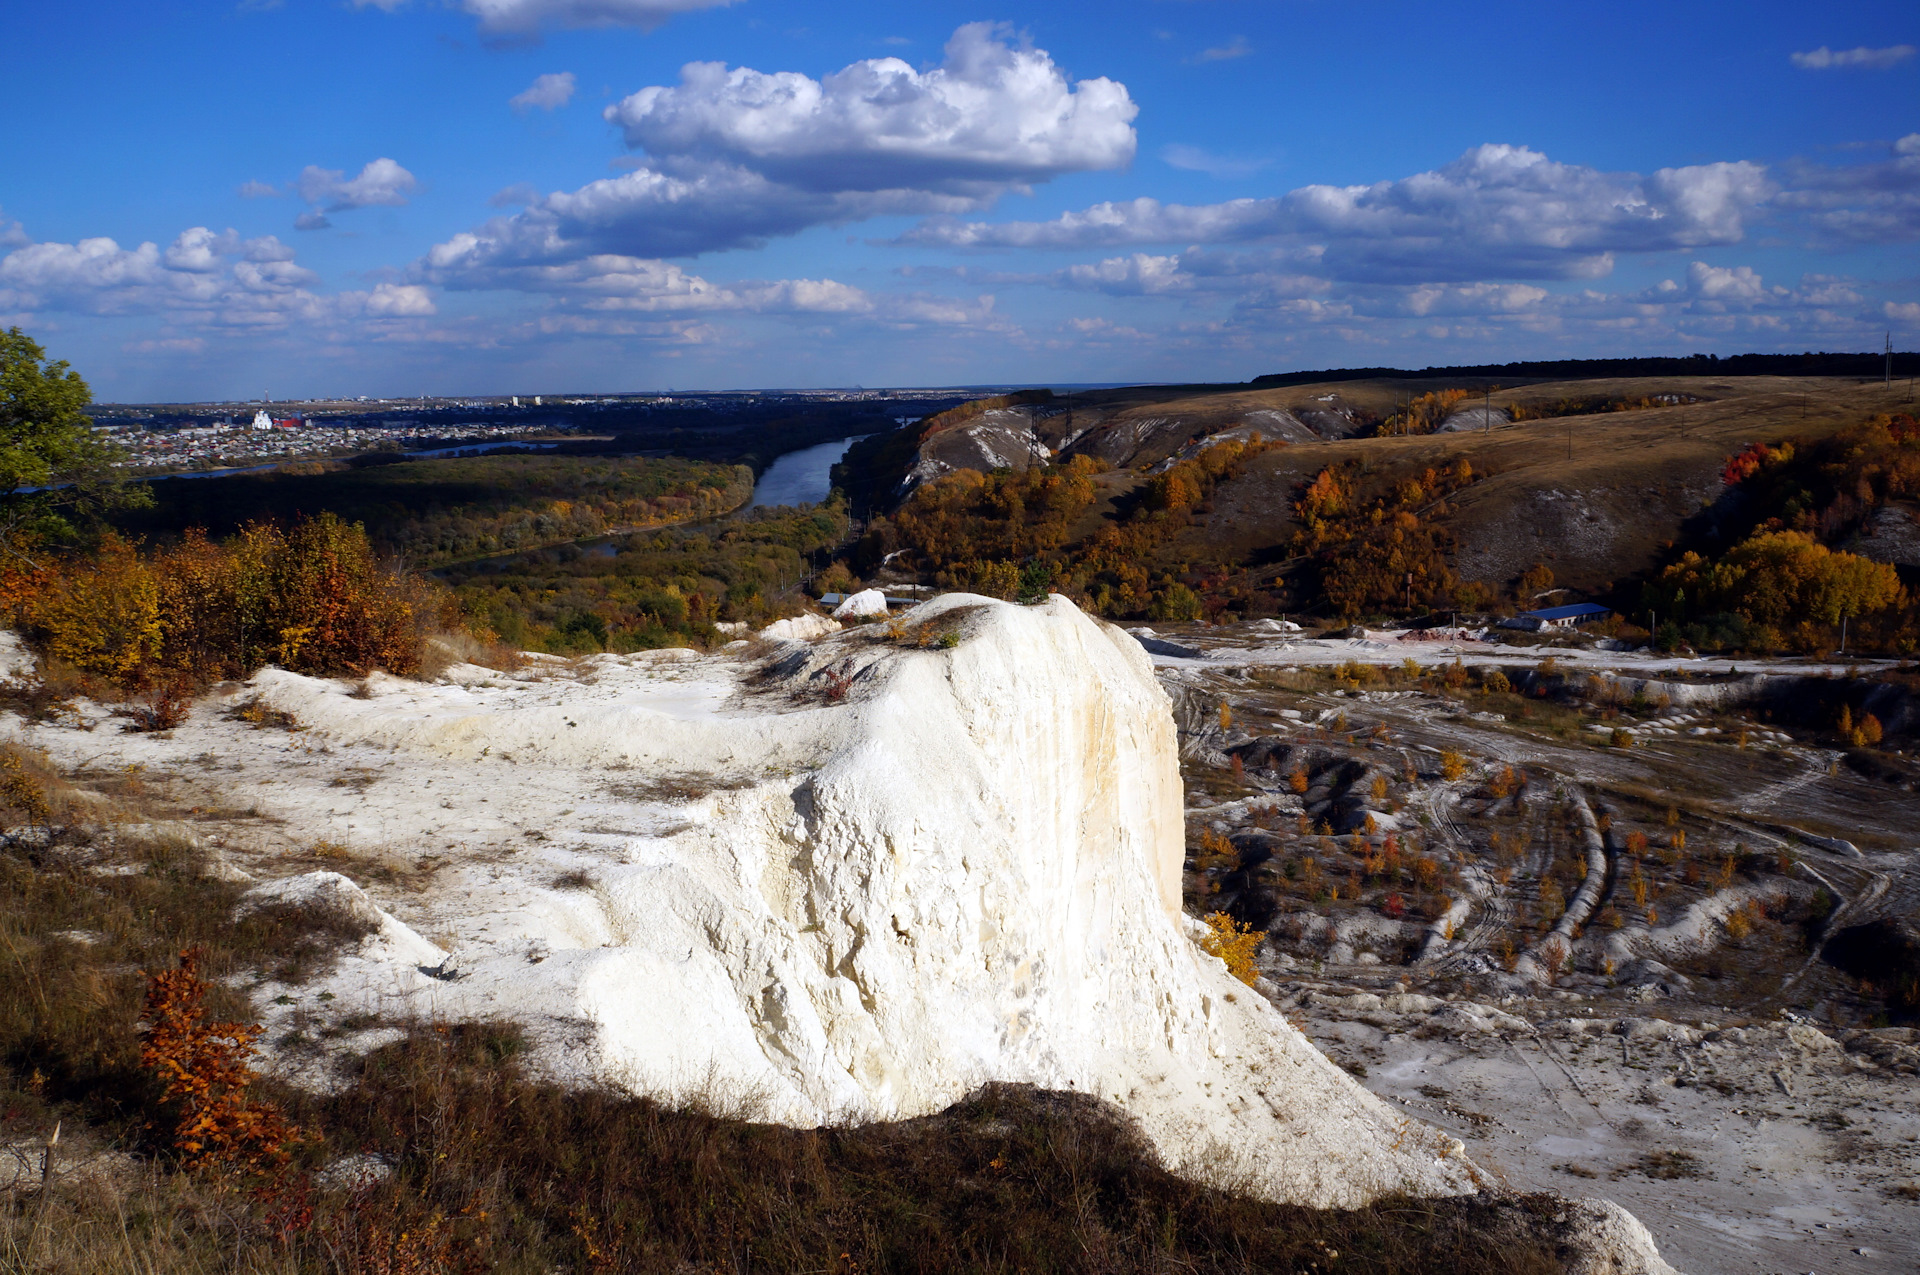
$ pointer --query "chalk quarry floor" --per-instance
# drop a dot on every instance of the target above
(1784, 1159)
(1744, 1146)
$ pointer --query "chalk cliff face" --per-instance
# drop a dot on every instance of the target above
(936, 866)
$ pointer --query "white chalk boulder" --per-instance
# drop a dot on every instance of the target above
(804, 627)
(864, 603)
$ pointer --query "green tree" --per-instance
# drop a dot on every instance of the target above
(53, 467)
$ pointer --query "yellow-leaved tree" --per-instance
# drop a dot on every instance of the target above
(102, 614)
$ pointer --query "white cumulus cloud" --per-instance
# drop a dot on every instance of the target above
(734, 157)
(382, 183)
(1138, 274)
(1497, 211)
(546, 93)
(611, 281)
(201, 271)
(397, 300)
(1863, 58)
(992, 115)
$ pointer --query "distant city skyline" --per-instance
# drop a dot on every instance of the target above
(479, 197)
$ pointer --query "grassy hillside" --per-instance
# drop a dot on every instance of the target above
(1589, 487)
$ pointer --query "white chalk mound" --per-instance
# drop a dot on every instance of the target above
(864, 603)
(921, 869)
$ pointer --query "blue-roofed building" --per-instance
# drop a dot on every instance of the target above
(1565, 617)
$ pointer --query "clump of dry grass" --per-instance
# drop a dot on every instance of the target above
(441, 651)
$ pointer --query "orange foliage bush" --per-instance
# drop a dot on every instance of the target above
(1233, 943)
(312, 598)
(204, 1069)
(101, 614)
(1744, 465)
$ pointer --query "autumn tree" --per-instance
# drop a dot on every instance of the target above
(1778, 578)
(53, 466)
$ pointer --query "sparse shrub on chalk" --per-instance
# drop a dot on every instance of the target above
(1233, 943)
(1215, 851)
(22, 793)
(203, 1070)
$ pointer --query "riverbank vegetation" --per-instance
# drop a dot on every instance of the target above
(667, 587)
(434, 512)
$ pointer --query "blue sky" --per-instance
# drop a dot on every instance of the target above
(307, 197)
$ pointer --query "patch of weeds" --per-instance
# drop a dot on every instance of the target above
(1665, 1166)
(156, 711)
(36, 701)
(263, 716)
(575, 879)
(301, 943)
(593, 1179)
(68, 1010)
(1576, 1170)
(368, 867)
(675, 790)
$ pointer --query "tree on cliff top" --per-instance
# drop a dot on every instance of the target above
(52, 464)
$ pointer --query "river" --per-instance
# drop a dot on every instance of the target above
(803, 477)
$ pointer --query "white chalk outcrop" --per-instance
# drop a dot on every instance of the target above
(801, 628)
(864, 603)
(924, 869)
